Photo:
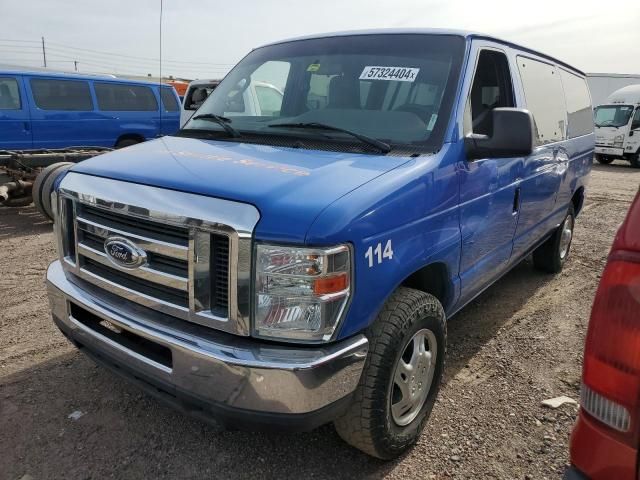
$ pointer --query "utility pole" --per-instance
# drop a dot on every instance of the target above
(44, 53)
(75, 65)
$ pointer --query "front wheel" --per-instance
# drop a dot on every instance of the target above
(634, 160)
(551, 255)
(401, 376)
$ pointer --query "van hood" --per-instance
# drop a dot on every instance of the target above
(289, 186)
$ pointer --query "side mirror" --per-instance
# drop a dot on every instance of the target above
(512, 136)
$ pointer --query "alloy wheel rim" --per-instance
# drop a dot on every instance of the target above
(413, 376)
(566, 236)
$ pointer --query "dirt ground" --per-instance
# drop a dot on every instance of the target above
(516, 345)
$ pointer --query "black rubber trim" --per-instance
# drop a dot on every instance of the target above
(572, 473)
(212, 412)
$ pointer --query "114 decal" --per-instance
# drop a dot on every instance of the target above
(377, 255)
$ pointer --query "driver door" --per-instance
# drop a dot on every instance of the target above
(489, 187)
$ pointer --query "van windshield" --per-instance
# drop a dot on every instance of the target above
(613, 115)
(396, 88)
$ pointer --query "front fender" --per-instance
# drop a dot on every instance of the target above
(412, 213)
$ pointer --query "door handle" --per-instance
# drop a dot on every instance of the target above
(26, 126)
(516, 201)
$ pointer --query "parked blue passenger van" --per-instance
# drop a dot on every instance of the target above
(56, 110)
(299, 267)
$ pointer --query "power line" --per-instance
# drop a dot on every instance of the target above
(129, 63)
(19, 41)
(116, 63)
(102, 52)
(63, 46)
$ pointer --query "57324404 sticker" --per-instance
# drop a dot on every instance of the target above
(399, 74)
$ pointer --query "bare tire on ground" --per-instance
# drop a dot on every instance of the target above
(604, 160)
(551, 255)
(401, 376)
(42, 180)
(126, 142)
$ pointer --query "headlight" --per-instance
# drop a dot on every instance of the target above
(300, 293)
(618, 140)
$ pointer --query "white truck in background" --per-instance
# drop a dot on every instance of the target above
(602, 85)
(260, 98)
(196, 94)
(617, 123)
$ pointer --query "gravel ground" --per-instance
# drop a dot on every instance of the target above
(517, 344)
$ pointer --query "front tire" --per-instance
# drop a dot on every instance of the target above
(551, 255)
(401, 376)
(634, 160)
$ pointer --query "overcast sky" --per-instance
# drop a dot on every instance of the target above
(205, 38)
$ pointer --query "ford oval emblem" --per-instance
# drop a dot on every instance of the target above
(124, 253)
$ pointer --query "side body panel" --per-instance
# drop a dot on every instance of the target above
(541, 176)
(15, 124)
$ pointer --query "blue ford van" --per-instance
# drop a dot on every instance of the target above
(55, 110)
(297, 265)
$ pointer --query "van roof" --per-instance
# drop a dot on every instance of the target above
(78, 76)
(431, 31)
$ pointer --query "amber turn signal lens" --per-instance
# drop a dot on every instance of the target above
(333, 284)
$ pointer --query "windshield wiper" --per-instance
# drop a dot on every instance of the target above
(220, 120)
(380, 145)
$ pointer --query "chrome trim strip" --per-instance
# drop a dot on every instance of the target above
(232, 370)
(148, 244)
(167, 308)
(195, 212)
(144, 272)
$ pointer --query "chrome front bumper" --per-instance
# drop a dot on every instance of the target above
(231, 373)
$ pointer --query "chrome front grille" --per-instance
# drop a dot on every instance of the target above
(166, 274)
(192, 269)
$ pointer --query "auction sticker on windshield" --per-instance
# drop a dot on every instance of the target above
(400, 74)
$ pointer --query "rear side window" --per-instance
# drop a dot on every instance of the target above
(545, 99)
(125, 98)
(9, 94)
(61, 94)
(579, 110)
(169, 101)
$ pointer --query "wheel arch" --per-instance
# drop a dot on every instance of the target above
(130, 136)
(433, 278)
(578, 200)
